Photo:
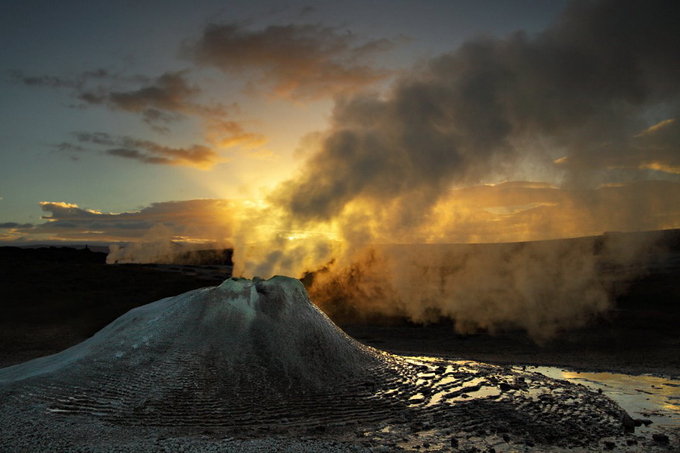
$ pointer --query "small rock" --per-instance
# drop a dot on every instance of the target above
(661, 439)
(609, 445)
(628, 423)
(454, 442)
(504, 386)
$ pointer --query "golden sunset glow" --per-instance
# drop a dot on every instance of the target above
(661, 166)
(299, 142)
(494, 181)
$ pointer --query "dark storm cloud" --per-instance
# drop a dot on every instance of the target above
(588, 87)
(296, 61)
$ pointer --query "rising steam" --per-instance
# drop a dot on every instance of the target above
(587, 107)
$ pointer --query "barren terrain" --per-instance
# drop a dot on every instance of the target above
(48, 304)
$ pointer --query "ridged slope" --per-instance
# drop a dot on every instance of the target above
(209, 356)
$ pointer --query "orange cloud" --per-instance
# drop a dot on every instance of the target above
(146, 151)
(299, 62)
(151, 153)
(168, 98)
(226, 134)
(160, 102)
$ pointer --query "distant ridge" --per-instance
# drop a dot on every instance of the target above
(94, 248)
(53, 254)
(667, 239)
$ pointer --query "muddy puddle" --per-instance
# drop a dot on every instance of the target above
(653, 400)
(644, 397)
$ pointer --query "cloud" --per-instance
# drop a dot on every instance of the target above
(170, 98)
(52, 81)
(44, 80)
(61, 210)
(191, 221)
(167, 99)
(77, 82)
(151, 153)
(226, 134)
(169, 92)
(144, 151)
(301, 62)
(14, 225)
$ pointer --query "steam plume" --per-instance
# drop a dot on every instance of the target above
(588, 103)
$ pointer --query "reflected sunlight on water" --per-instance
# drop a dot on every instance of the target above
(647, 397)
(653, 400)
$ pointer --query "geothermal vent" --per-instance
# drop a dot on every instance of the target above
(255, 356)
(210, 357)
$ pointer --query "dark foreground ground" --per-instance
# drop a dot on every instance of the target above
(50, 301)
(47, 305)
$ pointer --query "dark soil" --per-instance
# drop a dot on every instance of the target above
(51, 301)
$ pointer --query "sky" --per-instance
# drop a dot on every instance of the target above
(384, 122)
